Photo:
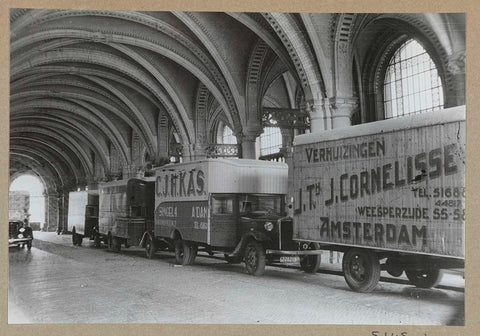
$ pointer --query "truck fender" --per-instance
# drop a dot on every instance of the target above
(144, 237)
(246, 237)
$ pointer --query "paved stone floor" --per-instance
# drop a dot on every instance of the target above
(70, 284)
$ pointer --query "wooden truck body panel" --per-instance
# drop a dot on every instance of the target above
(395, 185)
(205, 200)
(126, 208)
(83, 211)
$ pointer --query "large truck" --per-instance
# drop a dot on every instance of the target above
(392, 191)
(235, 207)
(82, 215)
(125, 212)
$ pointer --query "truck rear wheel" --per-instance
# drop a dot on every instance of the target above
(74, 237)
(185, 252)
(79, 239)
(310, 263)
(116, 244)
(425, 278)
(255, 258)
(96, 240)
(361, 270)
(150, 247)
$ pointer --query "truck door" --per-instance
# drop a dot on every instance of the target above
(224, 220)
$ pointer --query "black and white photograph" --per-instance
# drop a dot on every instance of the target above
(228, 167)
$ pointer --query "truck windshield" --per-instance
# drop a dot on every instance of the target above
(261, 204)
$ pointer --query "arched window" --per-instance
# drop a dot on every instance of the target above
(412, 84)
(270, 140)
(228, 137)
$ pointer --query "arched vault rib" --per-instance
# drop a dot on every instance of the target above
(226, 97)
(119, 42)
(117, 140)
(76, 128)
(82, 155)
(75, 103)
(26, 154)
(106, 60)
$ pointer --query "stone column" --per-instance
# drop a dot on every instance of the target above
(249, 138)
(319, 113)
(456, 66)
(188, 153)
(51, 212)
(342, 111)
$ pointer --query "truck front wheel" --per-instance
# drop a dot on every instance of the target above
(361, 270)
(255, 258)
(425, 278)
(310, 263)
(150, 247)
(185, 252)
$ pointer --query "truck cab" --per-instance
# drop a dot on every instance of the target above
(235, 207)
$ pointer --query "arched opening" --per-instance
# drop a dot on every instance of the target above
(412, 83)
(228, 137)
(34, 210)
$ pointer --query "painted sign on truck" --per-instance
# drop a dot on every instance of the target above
(397, 184)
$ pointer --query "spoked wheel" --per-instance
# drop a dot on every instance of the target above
(255, 258)
(424, 278)
(310, 263)
(185, 252)
(361, 270)
(150, 247)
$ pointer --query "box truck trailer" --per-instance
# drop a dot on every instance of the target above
(82, 215)
(392, 191)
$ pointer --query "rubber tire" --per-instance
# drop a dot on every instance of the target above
(425, 278)
(74, 237)
(29, 245)
(116, 245)
(79, 240)
(371, 269)
(150, 247)
(233, 260)
(96, 240)
(311, 263)
(185, 252)
(393, 268)
(109, 242)
(255, 258)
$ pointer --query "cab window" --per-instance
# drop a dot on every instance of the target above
(222, 205)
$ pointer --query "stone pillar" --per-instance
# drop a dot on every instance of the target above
(342, 110)
(199, 151)
(319, 113)
(188, 152)
(456, 66)
(51, 212)
(249, 138)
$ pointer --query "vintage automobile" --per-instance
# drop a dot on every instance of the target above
(18, 235)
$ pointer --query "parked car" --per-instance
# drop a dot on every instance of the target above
(18, 235)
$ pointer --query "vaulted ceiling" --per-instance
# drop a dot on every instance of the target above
(88, 88)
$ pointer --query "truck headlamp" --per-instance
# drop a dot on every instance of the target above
(21, 230)
(20, 235)
(268, 226)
